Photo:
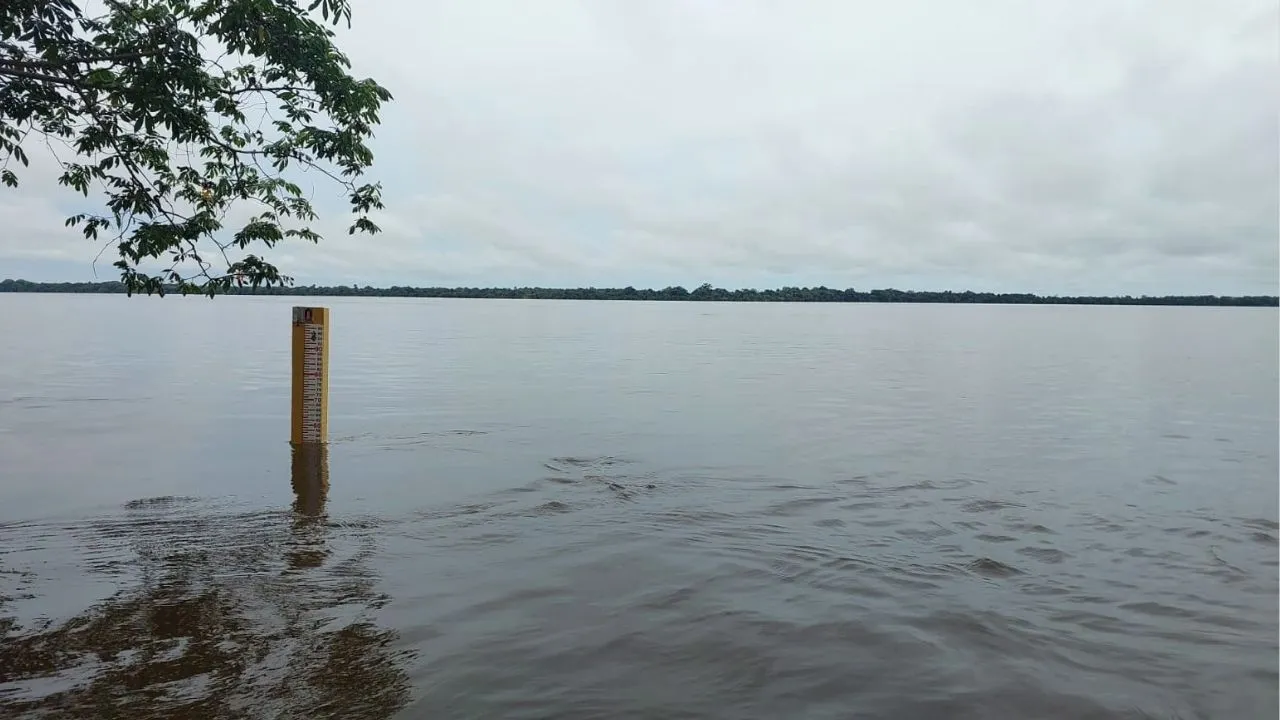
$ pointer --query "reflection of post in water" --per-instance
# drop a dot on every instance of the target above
(310, 474)
(310, 479)
(210, 627)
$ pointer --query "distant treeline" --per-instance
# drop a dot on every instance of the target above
(704, 292)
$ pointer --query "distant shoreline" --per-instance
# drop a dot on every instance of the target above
(680, 294)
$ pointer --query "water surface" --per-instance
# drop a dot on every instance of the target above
(631, 510)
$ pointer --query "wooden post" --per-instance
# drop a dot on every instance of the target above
(310, 376)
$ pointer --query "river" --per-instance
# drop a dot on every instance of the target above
(542, 509)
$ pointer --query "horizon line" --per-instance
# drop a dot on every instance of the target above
(704, 292)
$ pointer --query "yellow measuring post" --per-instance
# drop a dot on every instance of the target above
(310, 376)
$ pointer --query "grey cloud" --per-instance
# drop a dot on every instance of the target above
(1057, 146)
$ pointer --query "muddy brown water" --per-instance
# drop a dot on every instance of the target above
(627, 510)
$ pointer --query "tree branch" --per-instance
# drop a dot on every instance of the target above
(114, 58)
(41, 77)
(269, 89)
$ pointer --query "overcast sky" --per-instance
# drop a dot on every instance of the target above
(1056, 146)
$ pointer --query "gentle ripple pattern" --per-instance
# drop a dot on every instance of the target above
(592, 510)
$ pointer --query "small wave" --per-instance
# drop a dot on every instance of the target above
(880, 522)
(981, 506)
(583, 463)
(1159, 609)
(1261, 523)
(929, 533)
(163, 501)
(798, 505)
(865, 479)
(1046, 555)
(862, 505)
(33, 402)
(456, 511)
(949, 484)
(1030, 528)
(992, 568)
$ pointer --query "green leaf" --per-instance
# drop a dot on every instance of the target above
(132, 89)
